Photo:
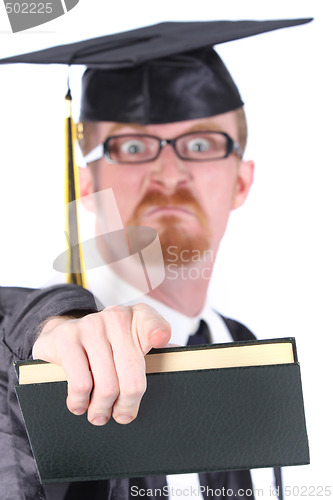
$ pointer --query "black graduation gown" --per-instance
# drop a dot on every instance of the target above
(22, 311)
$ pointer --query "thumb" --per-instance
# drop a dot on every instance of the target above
(151, 328)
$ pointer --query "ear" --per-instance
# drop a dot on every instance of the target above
(243, 182)
(86, 188)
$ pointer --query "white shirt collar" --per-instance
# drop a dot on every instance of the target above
(110, 289)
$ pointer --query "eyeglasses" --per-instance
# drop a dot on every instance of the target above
(142, 148)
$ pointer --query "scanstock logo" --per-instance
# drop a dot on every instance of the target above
(27, 14)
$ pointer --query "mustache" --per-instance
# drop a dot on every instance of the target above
(181, 197)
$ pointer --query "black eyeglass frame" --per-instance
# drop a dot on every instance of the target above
(232, 146)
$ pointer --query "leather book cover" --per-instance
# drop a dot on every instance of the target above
(189, 421)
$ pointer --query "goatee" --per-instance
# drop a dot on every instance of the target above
(174, 237)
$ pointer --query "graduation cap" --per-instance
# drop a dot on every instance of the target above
(163, 73)
(158, 74)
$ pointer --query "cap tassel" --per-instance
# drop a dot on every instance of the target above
(76, 272)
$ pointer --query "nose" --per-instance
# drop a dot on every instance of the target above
(168, 170)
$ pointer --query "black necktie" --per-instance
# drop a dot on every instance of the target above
(219, 485)
(201, 336)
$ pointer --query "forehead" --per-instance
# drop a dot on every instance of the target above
(225, 122)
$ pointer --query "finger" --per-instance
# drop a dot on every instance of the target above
(129, 363)
(46, 344)
(61, 345)
(151, 329)
(131, 372)
(106, 388)
(80, 381)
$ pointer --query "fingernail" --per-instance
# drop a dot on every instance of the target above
(123, 419)
(99, 420)
(157, 334)
(156, 331)
(79, 411)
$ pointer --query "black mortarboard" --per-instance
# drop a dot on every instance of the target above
(158, 74)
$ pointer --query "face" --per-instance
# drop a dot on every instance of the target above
(188, 203)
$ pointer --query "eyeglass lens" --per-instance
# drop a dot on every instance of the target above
(192, 146)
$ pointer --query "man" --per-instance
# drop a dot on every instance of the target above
(172, 153)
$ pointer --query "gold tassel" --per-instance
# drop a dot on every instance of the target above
(76, 272)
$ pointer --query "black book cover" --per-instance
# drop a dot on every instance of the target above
(189, 421)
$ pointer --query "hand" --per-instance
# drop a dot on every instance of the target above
(103, 356)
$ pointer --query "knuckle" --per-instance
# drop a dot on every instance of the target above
(118, 311)
(134, 389)
(93, 323)
(148, 316)
(92, 328)
(141, 307)
(120, 316)
(67, 331)
(108, 393)
(81, 387)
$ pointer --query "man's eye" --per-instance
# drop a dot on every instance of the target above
(132, 147)
(198, 145)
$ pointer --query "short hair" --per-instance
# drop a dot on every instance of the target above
(242, 127)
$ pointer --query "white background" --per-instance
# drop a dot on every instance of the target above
(274, 271)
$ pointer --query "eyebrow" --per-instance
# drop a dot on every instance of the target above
(120, 126)
(203, 126)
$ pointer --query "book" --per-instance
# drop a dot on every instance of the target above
(206, 408)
